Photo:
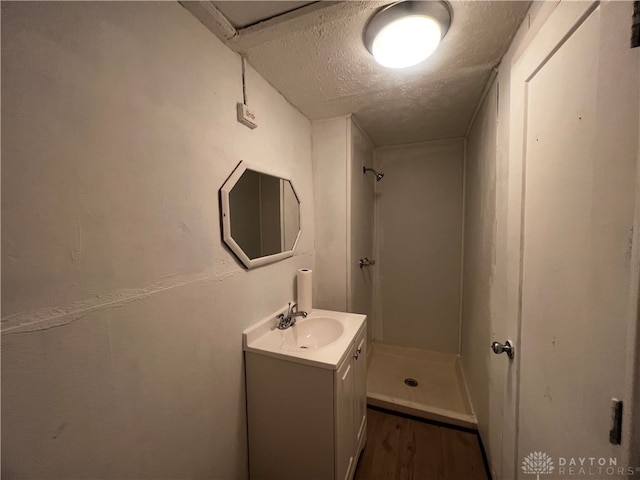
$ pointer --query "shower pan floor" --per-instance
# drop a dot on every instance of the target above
(440, 393)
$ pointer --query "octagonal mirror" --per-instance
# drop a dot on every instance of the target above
(260, 216)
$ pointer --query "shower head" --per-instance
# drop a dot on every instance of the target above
(377, 174)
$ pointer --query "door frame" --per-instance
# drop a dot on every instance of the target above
(557, 28)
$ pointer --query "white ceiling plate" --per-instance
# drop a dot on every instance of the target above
(315, 57)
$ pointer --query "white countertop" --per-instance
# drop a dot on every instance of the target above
(264, 338)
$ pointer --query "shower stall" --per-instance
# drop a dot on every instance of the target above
(389, 244)
(418, 382)
(414, 364)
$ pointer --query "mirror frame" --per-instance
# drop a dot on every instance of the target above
(225, 191)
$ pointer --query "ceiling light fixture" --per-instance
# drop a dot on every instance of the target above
(405, 33)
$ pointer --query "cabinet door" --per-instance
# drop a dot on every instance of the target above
(345, 425)
(360, 399)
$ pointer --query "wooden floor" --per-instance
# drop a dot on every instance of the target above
(400, 448)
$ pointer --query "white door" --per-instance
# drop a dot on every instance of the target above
(577, 84)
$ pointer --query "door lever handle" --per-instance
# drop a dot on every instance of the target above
(499, 348)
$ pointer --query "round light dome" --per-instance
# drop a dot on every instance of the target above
(406, 42)
(406, 33)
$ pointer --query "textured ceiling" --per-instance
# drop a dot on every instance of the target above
(317, 60)
(240, 15)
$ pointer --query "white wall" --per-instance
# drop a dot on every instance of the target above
(486, 298)
(331, 150)
(362, 218)
(122, 309)
(344, 199)
(479, 258)
(419, 235)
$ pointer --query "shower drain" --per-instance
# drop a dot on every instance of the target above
(411, 382)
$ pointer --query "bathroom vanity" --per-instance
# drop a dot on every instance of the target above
(306, 396)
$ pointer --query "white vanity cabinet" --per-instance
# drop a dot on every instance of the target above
(351, 407)
(307, 419)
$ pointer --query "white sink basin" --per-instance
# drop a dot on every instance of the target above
(322, 339)
(312, 333)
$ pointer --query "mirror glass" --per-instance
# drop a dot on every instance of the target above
(261, 216)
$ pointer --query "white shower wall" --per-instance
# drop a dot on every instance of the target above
(419, 239)
(345, 217)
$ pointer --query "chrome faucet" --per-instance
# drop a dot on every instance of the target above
(289, 320)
